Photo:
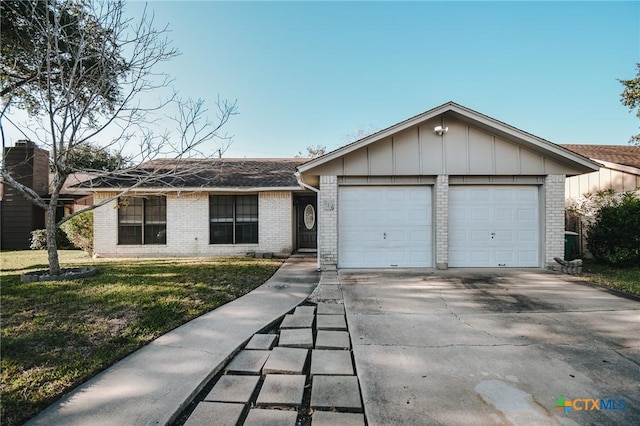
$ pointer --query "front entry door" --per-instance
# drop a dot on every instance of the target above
(307, 223)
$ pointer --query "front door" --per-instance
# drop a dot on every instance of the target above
(307, 223)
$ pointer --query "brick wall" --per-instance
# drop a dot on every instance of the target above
(188, 228)
(554, 219)
(442, 221)
(328, 220)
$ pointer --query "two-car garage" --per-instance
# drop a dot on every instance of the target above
(392, 226)
(450, 187)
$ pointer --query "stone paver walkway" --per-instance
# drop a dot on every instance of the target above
(298, 373)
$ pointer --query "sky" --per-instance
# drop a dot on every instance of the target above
(314, 73)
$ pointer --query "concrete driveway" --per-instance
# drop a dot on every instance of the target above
(482, 347)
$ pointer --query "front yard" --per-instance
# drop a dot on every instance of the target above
(624, 279)
(55, 335)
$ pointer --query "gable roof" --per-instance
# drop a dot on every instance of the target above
(626, 155)
(206, 174)
(479, 120)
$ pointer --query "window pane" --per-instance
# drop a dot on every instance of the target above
(221, 233)
(130, 210)
(221, 208)
(130, 220)
(247, 233)
(128, 234)
(155, 210)
(247, 208)
(155, 234)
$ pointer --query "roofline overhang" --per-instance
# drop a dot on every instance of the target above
(485, 121)
(195, 189)
(618, 167)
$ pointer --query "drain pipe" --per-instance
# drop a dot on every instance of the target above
(317, 191)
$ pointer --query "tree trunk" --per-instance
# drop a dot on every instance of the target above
(52, 247)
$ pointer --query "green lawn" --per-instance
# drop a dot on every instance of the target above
(55, 335)
(625, 279)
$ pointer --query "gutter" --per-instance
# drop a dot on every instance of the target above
(317, 191)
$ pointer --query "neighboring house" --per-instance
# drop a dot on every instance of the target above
(447, 188)
(620, 170)
(29, 165)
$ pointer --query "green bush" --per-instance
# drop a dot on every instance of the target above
(79, 229)
(39, 240)
(614, 236)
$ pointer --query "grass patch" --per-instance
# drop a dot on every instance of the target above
(624, 279)
(57, 334)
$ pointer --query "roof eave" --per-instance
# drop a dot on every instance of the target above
(198, 189)
(619, 167)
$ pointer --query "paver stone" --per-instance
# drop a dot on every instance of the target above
(282, 389)
(335, 391)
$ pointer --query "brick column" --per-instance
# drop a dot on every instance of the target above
(328, 221)
(554, 219)
(442, 221)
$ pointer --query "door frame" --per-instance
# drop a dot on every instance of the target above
(301, 200)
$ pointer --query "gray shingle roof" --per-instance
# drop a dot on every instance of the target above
(207, 173)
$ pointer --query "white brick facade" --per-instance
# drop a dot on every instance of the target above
(554, 218)
(442, 221)
(328, 217)
(188, 228)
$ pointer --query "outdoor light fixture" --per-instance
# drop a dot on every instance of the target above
(440, 130)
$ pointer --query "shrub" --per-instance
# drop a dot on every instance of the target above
(614, 236)
(39, 239)
(79, 229)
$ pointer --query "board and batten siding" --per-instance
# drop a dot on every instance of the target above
(463, 150)
(605, 178)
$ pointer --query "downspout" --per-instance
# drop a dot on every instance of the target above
(317, 191)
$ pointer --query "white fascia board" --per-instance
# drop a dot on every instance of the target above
(619, 167)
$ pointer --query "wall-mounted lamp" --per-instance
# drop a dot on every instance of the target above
(440, 130)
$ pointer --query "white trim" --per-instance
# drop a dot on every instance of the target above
(619, 167)
(189, 189)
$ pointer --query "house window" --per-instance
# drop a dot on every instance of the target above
(233, 219)
(142, 220)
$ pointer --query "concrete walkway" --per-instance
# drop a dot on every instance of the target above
(152, 385)
(299, 372)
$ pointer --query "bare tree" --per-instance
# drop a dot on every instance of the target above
(362, 132)
(84, 73)
(313, 151)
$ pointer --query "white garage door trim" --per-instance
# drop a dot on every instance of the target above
(494, 226)
(385, 226)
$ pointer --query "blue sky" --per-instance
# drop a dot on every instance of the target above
(307, 73)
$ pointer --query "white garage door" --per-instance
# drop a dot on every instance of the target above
(382, 227)
(492, 226)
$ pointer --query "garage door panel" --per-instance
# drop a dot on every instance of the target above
(494, 226)
(395, 229)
